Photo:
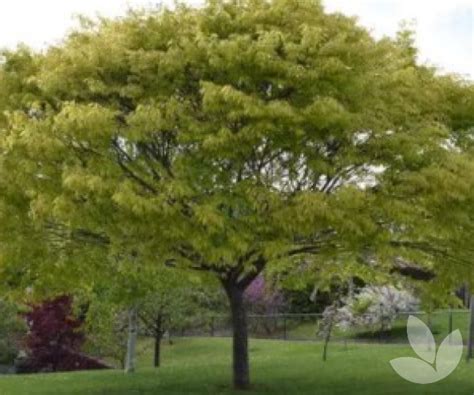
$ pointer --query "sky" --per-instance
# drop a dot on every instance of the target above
(445, 28)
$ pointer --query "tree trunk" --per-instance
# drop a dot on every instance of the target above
(158, 335)
(240, 356)
(466, 295)
(157, 353)
(470, 339)
(328, 331)
(132, 340)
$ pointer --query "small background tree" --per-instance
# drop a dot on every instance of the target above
(376, 307)
(107, 332)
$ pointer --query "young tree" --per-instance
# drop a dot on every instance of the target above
(163, 299)
(231, 138)
(169, 308)
(106, 329)
(121, 296)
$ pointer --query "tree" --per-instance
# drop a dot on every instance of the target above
(239, 136)
(106, 329)
(375, 307)
(55, 338)
(12, 330)
(114, 304)
(169, 308)
(163, 299)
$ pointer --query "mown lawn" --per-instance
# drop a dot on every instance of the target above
(202, 366)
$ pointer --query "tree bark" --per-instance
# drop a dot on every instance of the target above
(466, 295)
(240, 356)
(470, 339)
(132, 340)
(158, 335)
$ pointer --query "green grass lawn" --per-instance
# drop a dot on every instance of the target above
(202, 366)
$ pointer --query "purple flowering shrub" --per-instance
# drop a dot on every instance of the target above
(264, 302)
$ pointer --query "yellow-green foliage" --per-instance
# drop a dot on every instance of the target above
(229, 135)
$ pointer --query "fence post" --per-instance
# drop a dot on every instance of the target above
(285, 335)
(470, 340)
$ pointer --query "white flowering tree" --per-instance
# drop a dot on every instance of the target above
(375, 306)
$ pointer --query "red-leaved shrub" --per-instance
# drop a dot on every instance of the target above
(54, 339)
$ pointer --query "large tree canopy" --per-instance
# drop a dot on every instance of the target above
(229, 138)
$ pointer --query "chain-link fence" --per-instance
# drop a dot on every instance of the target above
(313, 327)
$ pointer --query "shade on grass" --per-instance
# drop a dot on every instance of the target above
(201, 366)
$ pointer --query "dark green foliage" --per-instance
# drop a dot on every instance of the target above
(12, 330)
